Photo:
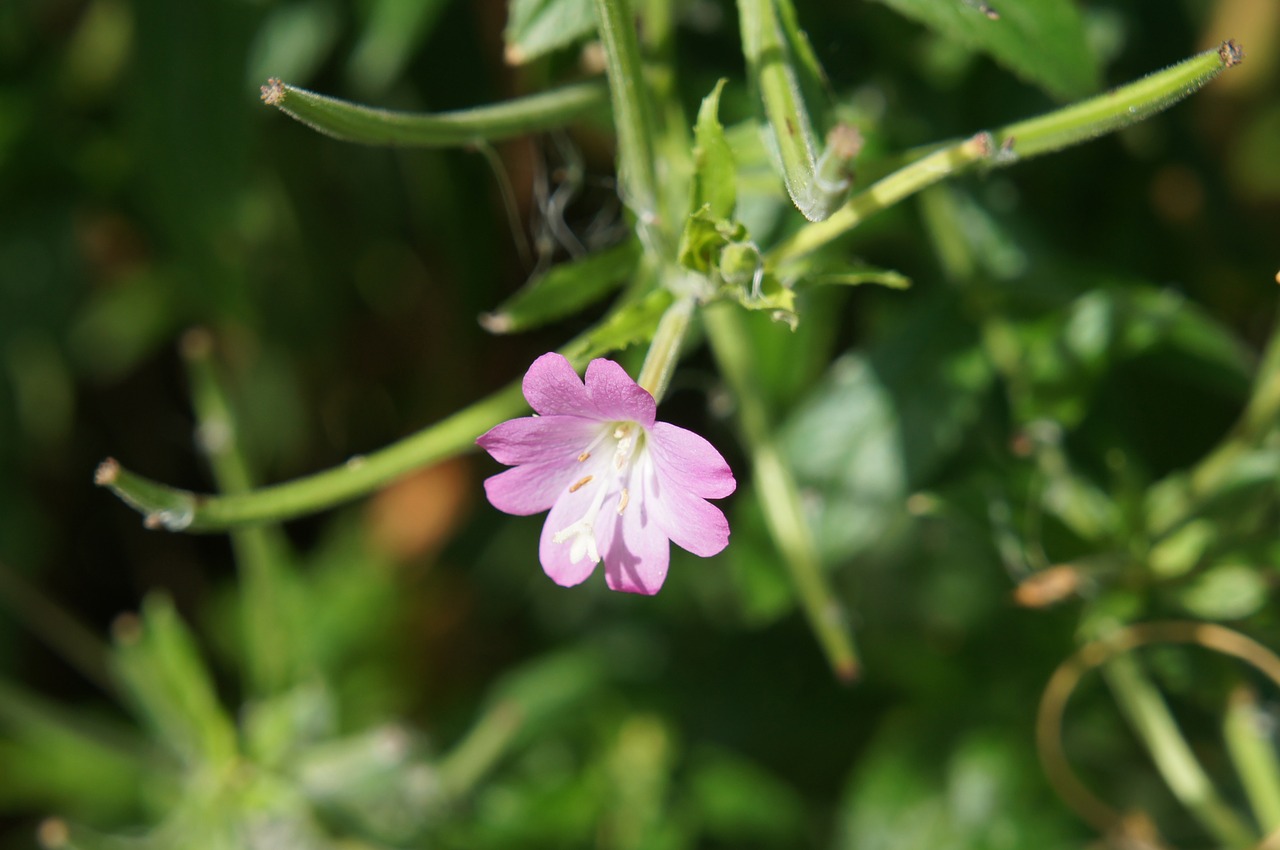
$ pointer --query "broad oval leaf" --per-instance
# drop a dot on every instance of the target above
(1042, 41)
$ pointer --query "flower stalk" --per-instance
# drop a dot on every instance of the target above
(664, 350)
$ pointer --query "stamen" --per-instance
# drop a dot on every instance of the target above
(622, 454)
(579, 485)
(582, 458)
(584, 541)
(622, 501)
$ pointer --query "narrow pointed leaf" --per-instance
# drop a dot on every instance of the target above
(537, 27)
(564, 290)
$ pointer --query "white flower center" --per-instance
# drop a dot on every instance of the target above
(628, 444)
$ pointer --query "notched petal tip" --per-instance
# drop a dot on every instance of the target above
(617, 395)
(552, 386)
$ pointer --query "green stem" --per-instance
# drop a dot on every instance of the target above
(780, 495)
(1115, 109)
(1254, 757)
(664, 350)
(352, 122)
(261, 551)
(1214, 474)
(467, 763)
(1260, 417)
(632, 112)
(181, 510)
(1043, 134)
(1151, 719)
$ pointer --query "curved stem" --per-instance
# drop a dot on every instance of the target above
(181, 510)
(352, 122)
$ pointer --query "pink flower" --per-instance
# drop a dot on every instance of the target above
(620, 486)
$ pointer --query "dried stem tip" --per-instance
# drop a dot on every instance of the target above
(845, 141)
(107, 472)
(273, 92)
(1230, 53)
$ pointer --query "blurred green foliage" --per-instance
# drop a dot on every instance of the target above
(1082, 332)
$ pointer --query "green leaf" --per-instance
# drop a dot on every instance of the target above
(714, 169)
(1042, 41)
(705, 237)
(739, 803)
(1069, 353)
(537, 27)
(879, 426)
(294, 39)
(60, 758)
(392, 35)
(982, 791)
(782, 68)
(1227, 592)
(628, 325)
(858, 277)
(564, 290)
(161, 667)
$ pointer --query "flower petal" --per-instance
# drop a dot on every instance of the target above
(693, 524)
(551, 386)
(528, 489)
(540, 439)
(635, 549)
(557, 558)
(688, 463)
(617, 396)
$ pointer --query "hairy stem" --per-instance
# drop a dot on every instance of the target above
(352, 122)
(1050, 132)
